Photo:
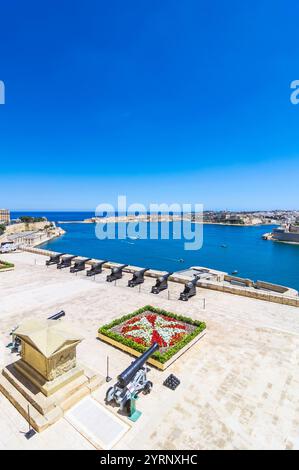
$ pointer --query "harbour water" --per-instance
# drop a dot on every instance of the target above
(227, 248)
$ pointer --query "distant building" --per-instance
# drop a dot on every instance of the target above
(4, 216)
(286, 233)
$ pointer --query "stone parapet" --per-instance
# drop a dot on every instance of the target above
(259, 290)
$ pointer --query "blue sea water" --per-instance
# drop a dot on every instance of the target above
(245, 250)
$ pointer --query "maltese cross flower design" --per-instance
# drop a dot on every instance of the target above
(151, 328)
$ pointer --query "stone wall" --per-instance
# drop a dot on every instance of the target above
(22, 227)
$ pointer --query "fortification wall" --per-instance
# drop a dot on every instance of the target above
(288, 298)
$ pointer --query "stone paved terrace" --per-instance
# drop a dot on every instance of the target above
(239, 384)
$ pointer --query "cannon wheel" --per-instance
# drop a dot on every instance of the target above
(148, 387)
(109, 394)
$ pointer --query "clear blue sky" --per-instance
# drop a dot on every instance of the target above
(165, 101)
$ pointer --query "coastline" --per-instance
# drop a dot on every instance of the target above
(224, 248)
(59, 232)
(108, 221)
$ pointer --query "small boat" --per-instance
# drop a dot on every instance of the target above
(223, 246)
(181, 260)
(235, 271)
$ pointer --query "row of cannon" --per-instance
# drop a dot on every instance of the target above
(62, 261)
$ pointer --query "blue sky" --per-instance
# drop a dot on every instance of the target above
(164, 101)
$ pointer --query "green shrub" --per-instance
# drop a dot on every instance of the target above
(27, 219)
(5, 265)
(106, 331)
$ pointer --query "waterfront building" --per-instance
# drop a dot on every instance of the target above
(286, 233)
(28, 238)
(4, 216)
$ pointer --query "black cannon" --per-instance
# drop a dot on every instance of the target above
(116, 273)
(65, 262)
(57, 316)
(55, 259)
(132, 381)
(138, 278)
(161, 283)
(190, 289)
(79, 265)
(96, 268)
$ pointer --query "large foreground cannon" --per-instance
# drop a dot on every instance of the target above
(55, 259)
(190, 289)
(138, 278)
(116, 273)
(79, 265)
(96, 268)
(65, 262)
(131, 382)
(161, 283)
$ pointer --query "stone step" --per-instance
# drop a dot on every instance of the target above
(73, 399)
(37, 399)
(45, 411)
(37, 420)
(94, 380)
(28, 390)
(70, 389)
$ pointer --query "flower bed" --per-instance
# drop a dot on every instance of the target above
(148, 325)
(5, 265)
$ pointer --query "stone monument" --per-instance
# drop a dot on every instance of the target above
(47, 377)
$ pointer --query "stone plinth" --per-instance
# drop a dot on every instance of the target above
(47, 376)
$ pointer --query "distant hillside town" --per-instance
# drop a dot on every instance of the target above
(25, 231)
(276, 217)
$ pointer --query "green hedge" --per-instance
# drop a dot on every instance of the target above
(5, 265)
(27, 219)
(106, 331)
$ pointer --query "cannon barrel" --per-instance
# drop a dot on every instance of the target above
(164, 276)
(54, 259)
(115, 269)
(82, 261)
(140, 272)
(127, 375)
(194, 281)
(56, 316)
